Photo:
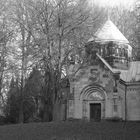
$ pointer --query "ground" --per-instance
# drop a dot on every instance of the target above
(70, 130)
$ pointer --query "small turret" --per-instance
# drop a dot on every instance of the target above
(112, 46)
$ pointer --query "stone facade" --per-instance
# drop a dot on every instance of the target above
(95, 93)
(94, 85)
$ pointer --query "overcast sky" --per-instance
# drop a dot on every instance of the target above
(111, 3)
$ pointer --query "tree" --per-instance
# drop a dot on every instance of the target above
(32, 93)
(136, 12)
(59, 28)
(46, 33)
(12, 106)
(126, 21)
(32, 97)
(6, 34)
(22, 22)
(69, 19)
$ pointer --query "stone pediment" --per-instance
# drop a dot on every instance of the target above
(98, 73)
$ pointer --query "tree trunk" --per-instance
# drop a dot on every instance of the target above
(57, 111)
(21, 115)
(47, 112)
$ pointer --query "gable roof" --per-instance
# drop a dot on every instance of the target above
(133, 74)
(109, 32)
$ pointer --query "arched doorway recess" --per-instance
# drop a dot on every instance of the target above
(93, 99)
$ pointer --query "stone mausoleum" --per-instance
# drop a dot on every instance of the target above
(107, 85)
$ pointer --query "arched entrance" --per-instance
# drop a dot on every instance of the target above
(93, 99)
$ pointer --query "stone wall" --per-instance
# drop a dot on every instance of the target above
(84, 78)
(79, 109)
(133, 103)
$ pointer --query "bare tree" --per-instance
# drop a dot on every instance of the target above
(47, 32)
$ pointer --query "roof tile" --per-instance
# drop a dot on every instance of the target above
(109, 32)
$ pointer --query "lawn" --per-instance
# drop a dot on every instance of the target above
(70, 130)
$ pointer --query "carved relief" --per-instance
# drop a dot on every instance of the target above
(96, 96)
(94, 75)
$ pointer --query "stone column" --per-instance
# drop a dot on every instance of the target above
(84, 110)
(70, 109)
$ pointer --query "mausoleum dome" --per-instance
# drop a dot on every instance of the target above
(111, 45)
(109, 32)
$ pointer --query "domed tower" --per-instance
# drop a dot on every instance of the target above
(111, 45)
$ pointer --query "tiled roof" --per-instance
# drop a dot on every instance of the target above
(133, 74)
(109, 32)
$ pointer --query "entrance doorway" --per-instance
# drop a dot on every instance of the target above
(95, 111)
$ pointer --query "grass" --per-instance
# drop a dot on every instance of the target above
(71, 131)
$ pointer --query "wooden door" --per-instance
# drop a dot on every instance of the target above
(95, 111)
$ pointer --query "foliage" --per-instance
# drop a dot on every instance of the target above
(32, 91)
(114, 119)
(12, 106)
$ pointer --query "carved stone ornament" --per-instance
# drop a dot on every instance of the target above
(96, 96)
(94, 75)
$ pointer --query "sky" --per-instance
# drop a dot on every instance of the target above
(112, 3)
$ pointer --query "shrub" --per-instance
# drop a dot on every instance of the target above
(114, 119)
(73, 119)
